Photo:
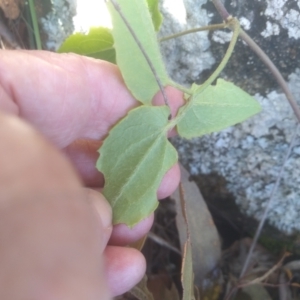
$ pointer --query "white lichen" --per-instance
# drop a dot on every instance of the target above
(58, 23)
(271, 29)
(245, 23)
(222, 37)
(289, 19)
(189, 55)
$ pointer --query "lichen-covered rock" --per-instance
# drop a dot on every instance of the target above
(58, 24)
(188, 56)
(249, 155)
(69, 16)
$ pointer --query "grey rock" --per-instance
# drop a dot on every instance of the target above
(249, 155)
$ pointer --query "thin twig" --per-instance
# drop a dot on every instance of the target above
(221, 9)
(160, 241)
(204, 28)
(233, 23)
(268, 273)
(136, 39)
(235, 26)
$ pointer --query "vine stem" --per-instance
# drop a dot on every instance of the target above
(136, 39)
(204, 28)
(221, 9)
(235, 25)
(274, 70)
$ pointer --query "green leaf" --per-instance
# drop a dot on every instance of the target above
(155, 13)
(98, 43)
(134, 158)
(135, 69)
(215, 108)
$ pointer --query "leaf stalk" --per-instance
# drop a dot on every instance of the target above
(194, 30)
(232, 23)
(264, 58)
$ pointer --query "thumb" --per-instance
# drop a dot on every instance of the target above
(51, 238)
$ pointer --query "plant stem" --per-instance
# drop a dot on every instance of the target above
(180, 87)
(120, 12)
(204, 28)
(35, 25)
(221, 9)
(233, 23)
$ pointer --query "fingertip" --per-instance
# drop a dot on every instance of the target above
(125, 267)
(123, 235)
(169, 183)
(175, 98)
(104, 211)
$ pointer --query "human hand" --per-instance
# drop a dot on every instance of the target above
(52, 237)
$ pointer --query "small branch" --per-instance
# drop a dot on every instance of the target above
(180, 87)
(160, 241)
(136, 39)
(233, 23)
(204, 28)
(268, 273)
(221, 9)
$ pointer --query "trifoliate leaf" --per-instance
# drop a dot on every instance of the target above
(155, 13)
(98, 43)
(136, 71)
(134, 158)
(215, 108)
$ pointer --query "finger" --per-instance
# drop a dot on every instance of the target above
(169, 182)
(65, 96)
(50, 238)
(123, 235)
(84, 154)
(125, 267)
(104, 211)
